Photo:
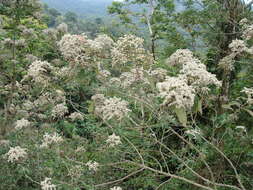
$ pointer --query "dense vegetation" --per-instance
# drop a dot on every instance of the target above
(167, 105)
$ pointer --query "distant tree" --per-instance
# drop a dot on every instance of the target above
(71, 17)
(155, 14)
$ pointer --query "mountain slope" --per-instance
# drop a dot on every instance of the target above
(81, 7)
(90, 8)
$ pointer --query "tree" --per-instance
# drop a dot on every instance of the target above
(156, 15)
(217, 25)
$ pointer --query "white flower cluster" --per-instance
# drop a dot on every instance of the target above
(244, 22)
(78, 49)
(193, 71)
(74, 48)
(116, 188)
(22, 123)
(176, 91)
(65, 72)
(130, 49)
(75, 172)
(238, 46)
(158, 73)
(59, 110)
(101, 44)
(180, 57)
(16, 154)
(110, 108)
(38, 70)
(47, 184)
(198, 77)
(227, 62)
(49, 139)
(113, 140)
(134, 76)
(92, 165)
(76, 116)
(249, 93)
(36, 108)
(247, 29)
(193, 78)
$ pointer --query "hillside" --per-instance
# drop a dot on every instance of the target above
(81, 7)
(89, 8)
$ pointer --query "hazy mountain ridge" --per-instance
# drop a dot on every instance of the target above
(81, 7)
(90, 8)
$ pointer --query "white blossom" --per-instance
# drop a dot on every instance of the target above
(59, 110)
(176, 91)
(22, 123)
(113, 140)
(180, 57)
(76, 116)
(197, 75)
(227, 62)
(116, 188)
(247, 32)
(47, 184)
(134, 76)
(16, 154)
(49, 139)
(102, 44)
(244, 22)
(158, 73)
(249, 93)
(130, 49)
(74, 48)
(238, 46)
(193, 71)
(92, 165)
(38, 70)
(110, 108)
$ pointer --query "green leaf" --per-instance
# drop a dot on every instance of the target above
(91, 107)
(182, 116)
(199, 106)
